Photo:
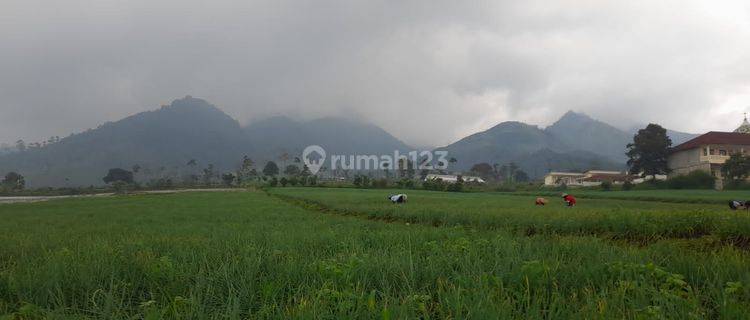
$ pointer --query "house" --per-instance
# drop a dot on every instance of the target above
(453, 178)
(566, 178)
(586, 179)
(708, 152)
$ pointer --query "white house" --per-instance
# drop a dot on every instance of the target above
(453, 178)
(585, 179)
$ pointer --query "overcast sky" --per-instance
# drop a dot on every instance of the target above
(427, 71)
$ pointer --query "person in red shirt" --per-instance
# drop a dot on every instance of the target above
(540, 201)
(569, 200)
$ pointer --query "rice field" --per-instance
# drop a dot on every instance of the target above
(343, 253)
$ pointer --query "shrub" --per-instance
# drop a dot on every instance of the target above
(435, 184)
(380, 183)
(606, 185)
(458, 186)
(627, 186)
(695, 180)
(405, 183)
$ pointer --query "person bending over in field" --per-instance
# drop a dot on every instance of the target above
(540, 201)
(570, 201)
(397, 198)
(739, 204)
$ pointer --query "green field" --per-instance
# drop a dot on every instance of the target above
(674, 196)
(642, 221)
(346, 253)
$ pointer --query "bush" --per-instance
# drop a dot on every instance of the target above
(380, 183)
(435, 184)
(737, 185)
(458, 186)
(695, 180)
(627, 186)
(606, 185)
(405, 183)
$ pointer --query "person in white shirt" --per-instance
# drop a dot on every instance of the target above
(397, 198)
(739, 204)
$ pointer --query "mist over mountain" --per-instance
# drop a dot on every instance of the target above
(581, 132)
(535, 150)
(162, 142)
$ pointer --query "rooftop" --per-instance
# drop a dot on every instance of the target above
(714, 137)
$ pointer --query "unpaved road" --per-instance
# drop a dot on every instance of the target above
(46, 198)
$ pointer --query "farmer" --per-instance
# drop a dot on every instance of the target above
(540, 201)
(739, 204)
(569, 200)
(397, 198)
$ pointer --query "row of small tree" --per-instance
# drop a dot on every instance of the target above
(507, 173)
(13, 181)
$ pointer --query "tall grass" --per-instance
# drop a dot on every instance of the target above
(641, 221)
(246, 255)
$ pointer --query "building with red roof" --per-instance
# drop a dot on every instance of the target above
(708, 152)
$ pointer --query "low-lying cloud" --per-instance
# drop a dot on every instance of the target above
(427, 71)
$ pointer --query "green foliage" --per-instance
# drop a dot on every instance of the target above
(381, 183)
(694, 180)
(434, 184)
(162, 183)
(13, 181)
(228, 178)
(284, 181)
(457, 186)
(122, 187)
(232, 255)
(292, 170)
(736, 169)
(606, 185)
(271, 169)
(649, 151)
(118, 174)
(619, 219)
(273, 182)
(405, 183)
(627, 186)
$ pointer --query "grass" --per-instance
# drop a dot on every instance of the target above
(659, 195)
(248, 255)
(642, 221)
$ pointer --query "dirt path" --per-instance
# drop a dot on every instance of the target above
(47, 198)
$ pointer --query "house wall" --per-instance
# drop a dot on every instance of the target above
(686, 161)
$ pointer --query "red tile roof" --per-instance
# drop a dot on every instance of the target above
(715, 137)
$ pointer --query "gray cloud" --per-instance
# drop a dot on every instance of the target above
(427, 71)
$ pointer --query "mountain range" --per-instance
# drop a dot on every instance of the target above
(162, 143)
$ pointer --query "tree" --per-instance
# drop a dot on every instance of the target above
(649, 150)
(521, 176)
(227, 178)
(484, 170)
(291, 170)
(736, 168)
(118, 174)
(14, 181)
(20, 145)
(208, 174)
(246, 169)
(271, 169)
